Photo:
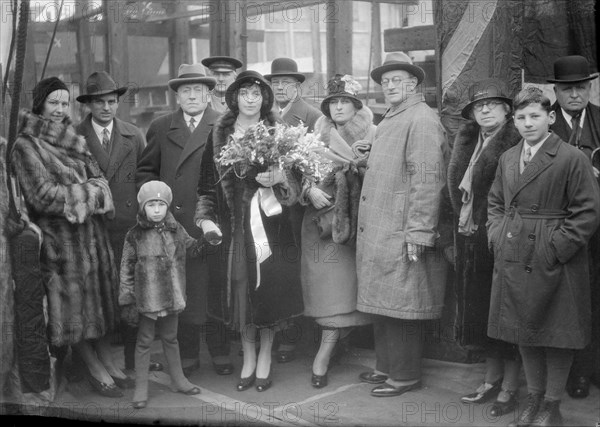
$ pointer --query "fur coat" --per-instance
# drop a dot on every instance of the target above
(153, 265)
(225, 199)
(473, 262)
(68, 198)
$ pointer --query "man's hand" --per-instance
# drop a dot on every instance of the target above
(414, 251)
(271, 177)
(212, 233)
(319, 198)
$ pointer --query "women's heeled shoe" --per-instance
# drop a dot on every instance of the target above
(246, 383)
(106, 390)
(263, 384)
(484, 395)
(319, 381)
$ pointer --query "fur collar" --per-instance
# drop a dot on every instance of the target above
(169, 223)
(484, 170)
(354, 130)
(60, 135)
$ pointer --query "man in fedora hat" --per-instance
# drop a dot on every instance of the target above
(578, 122)
(286, 83)
(401, 276)
(116, 145)
(223, 69)
(176, 142)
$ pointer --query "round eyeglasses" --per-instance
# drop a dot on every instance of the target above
(491, 104)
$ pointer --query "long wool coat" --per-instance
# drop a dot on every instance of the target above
(279, 294)
(68, 198)
(153, 265)
(328, 269)
(400, 203)
(474, 263)
(174, 155)
(539, 223)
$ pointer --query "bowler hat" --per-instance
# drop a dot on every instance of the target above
(485, 89)
(100, 83)
(397, 61)
(572, 69)
(191, 73)
(285, 67)
(248, 76)
(221, 62)
(341, 85)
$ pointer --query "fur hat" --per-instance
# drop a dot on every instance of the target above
(154, 190)
(43, 89)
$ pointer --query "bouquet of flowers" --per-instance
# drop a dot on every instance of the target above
(287, 147)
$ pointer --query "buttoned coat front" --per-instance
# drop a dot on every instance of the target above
(173, 155)
(539, 223)
(400, 204)
(118, 166)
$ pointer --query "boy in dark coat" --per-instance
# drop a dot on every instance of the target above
(153, 284)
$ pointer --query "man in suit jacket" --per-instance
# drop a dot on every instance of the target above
(578, 122)
(116, 145)
(285, 81)
(176, 143)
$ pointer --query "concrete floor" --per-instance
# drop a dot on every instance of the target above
(291, 401)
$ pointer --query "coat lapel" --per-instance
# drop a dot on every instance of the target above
(87, 131)
(178, 134)
(121, 146)
(199, 137)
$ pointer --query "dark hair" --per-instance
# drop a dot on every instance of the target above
(267, 100)
(325, 108)
(44, 88)
(531, 95)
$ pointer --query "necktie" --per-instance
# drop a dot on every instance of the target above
(576, 130)
(191, 126)
(105, 140)
(526, 157)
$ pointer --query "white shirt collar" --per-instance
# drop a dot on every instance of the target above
(197, 118)
(568, 117)
(286, 109)
(100, 129)
(534, 148)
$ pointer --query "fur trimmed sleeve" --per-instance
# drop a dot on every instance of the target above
(127, 273)
(288, 192)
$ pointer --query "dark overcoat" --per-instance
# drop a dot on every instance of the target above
(474, 263)
(538, 225)
(173, 155)
(68, 198)
(118, 166)
(279, 295)
(301, 111)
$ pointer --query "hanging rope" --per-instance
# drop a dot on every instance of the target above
(52, 39)
(19, 68)
(10, 49)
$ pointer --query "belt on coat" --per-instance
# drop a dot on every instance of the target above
(534, 213)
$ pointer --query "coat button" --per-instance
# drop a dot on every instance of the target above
(531, 236)
(534, 208)
(178, 207)
(364, 198)
(177, 175)
(509, 235)
(128, 204)
(361, 229)
(528, 269)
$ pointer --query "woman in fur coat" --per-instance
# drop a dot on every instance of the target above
(477, 148)
(256, 286)
(328, 267)
(68, 199)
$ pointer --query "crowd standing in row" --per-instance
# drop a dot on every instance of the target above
(523, 202)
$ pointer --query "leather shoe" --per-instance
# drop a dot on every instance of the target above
(124, 382)
(106, 390)
(482, 396)
(578, 387)
(263, 384)
(388, 390)
(139, 405)
(548, 414)
(192, 391)
(501, 408)
(189, 370)
(528, 415)
(285, 356)
(246, 383)
(372, 378)
(155, 367)
(319, 381)
(223, 368)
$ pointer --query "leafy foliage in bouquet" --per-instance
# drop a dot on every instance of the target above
(304, 154)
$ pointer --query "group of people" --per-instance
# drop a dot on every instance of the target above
(151, 232)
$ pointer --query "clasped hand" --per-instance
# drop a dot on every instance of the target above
(319, 198)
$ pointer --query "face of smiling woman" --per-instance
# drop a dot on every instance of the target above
(56, 105)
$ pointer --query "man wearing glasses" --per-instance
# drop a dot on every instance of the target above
(401, 276)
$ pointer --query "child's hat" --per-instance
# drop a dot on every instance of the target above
(154, 190)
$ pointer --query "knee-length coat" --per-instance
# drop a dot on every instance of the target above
(279, 295)
(474, 263)
(539, 223)
(68, 198)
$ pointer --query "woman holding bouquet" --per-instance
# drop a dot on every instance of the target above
(256, 285)
(328, 266)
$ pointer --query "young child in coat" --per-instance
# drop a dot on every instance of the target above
(153, 284)
(542, 209)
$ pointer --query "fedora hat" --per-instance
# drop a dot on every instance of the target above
(341, 85)
(100, 83)
(397, 61)
(485, 89)
(572, 69)
(191, 73)
(285, 67)
(248, 76)
(218, 63)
